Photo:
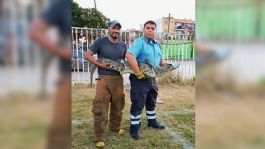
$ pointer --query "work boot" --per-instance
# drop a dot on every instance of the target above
(135, 135)
(121, 132)
(100, 144)
(155, 124)
(134, 132)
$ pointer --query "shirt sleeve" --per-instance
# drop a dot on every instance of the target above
(135, 48)
(95, 47)
(52, 14)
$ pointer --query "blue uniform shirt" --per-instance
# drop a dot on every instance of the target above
(143, 49)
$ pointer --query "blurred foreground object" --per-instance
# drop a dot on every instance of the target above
(29, 73)
(58, 15)
(230, 74)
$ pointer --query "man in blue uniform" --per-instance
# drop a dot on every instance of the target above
(144, 90)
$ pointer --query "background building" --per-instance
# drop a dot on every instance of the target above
(175, 26)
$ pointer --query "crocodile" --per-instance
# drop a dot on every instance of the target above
(147, 68)
(123, 67)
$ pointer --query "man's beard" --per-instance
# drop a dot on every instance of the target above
(114, 37)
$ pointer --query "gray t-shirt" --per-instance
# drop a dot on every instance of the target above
(104, 48)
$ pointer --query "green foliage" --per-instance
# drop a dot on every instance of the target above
(88, 17)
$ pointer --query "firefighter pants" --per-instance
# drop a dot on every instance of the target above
(109, 95)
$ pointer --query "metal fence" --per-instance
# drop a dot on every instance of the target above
(20, 58)
(177, 48)
(15, 19)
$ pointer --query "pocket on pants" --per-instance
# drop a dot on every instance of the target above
(98, 107)
(100, 102)
(119, 102)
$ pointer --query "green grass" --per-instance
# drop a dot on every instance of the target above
(83, 136)
(262, 82)
(24, 122)
(26, 137)
(182, 123)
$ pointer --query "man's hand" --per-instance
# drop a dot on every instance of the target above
(140, 75)
(89, 56)
(104, 66)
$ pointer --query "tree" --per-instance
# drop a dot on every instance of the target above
(88, 17)
(76, 13)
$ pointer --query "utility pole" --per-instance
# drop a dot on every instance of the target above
(167, 50)
(95, 4)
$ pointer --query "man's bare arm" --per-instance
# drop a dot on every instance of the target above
(89, 56)
(37, 34)
(133, 63)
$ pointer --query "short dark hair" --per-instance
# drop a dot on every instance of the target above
(149, 22)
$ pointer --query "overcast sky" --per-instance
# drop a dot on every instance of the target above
(132, 13)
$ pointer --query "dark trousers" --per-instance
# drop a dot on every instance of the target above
(143, 93)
